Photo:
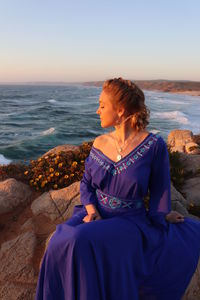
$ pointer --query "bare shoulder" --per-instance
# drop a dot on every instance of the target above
(100, 141)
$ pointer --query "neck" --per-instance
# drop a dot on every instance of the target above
(124, 130)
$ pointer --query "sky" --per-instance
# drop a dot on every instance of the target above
(88, 40)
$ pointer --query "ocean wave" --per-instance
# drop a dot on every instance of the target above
(170, 101)
(154, 131)
(178, 116)
(52, 101)
(4, 160)
(48, 131)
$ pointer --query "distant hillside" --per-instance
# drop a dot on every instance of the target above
(161, 85)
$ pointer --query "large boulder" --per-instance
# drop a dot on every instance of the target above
(17, 275)
(191, 190)
(182, 141)
(193, 290)
(12, 194)
(191, 163)
(64, 148)
(57, 205)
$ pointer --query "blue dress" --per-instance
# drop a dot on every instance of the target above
(132, 253)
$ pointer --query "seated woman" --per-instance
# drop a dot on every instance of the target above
(113, 247)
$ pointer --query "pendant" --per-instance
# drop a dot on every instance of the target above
(119, 157)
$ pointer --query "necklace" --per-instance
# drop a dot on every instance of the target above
(121, 148)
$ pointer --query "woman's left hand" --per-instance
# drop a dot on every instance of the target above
(174, 217)
(92, 217)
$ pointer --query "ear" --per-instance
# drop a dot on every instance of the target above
(121, 111)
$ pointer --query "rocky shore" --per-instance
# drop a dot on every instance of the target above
(28, 217)
(179, 87)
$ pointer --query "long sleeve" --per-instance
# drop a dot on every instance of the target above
(87, 192)
(160, 185)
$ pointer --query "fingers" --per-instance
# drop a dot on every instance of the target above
(91, 217)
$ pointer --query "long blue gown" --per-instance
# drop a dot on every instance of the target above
(132, 253)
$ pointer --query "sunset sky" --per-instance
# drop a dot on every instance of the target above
(76, 40)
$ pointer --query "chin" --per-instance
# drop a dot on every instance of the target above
(105, 125)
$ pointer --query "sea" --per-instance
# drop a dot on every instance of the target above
(37, 118)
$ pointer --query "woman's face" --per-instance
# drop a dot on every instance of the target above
(107, 113)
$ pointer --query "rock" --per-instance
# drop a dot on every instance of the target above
(182, 141)
(191, 163)
(193, 290)
(191, 190)
(59, 148)
(177, 206)
(192, 148)
(16, 259)
(13, 291)
(57, 205)
(12, 194)
(28, 226)
(176, 196)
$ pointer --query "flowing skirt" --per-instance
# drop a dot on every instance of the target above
(120, 257)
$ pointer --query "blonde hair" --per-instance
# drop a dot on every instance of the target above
(126, 94)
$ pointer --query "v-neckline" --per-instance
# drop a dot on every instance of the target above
(126, 156)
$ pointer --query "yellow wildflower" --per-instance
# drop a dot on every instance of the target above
(66, 176)
(37, 179)
(46, 157)
(55, 186)
(72, 174)
(43, 184)
(40, 176)
(35, 183)
(51, 170)
(60, 165)
(74, 164)
(57, 173)
(39, 159)
(26, 172)
(51, 175)
(31, 180)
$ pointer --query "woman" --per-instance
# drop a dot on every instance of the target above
(113, 248)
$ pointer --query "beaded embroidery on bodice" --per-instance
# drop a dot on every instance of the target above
(117, 167)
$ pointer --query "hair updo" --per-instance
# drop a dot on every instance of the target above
(126, 94)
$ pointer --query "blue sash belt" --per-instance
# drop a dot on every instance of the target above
(114, 204)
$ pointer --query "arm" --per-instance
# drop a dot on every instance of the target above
(160, 185)
(87, 192)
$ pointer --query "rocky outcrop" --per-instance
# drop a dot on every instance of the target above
(182, 141)
(193, 289)
(59, 148)
(57, 205)
(12, 194)
(17, 274)
(26, 232)
(191, 190)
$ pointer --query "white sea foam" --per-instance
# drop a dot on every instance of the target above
(52, 101)
(170, 101)
(48, 131)
(154, 131)
(3, 160)
(178, 116)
